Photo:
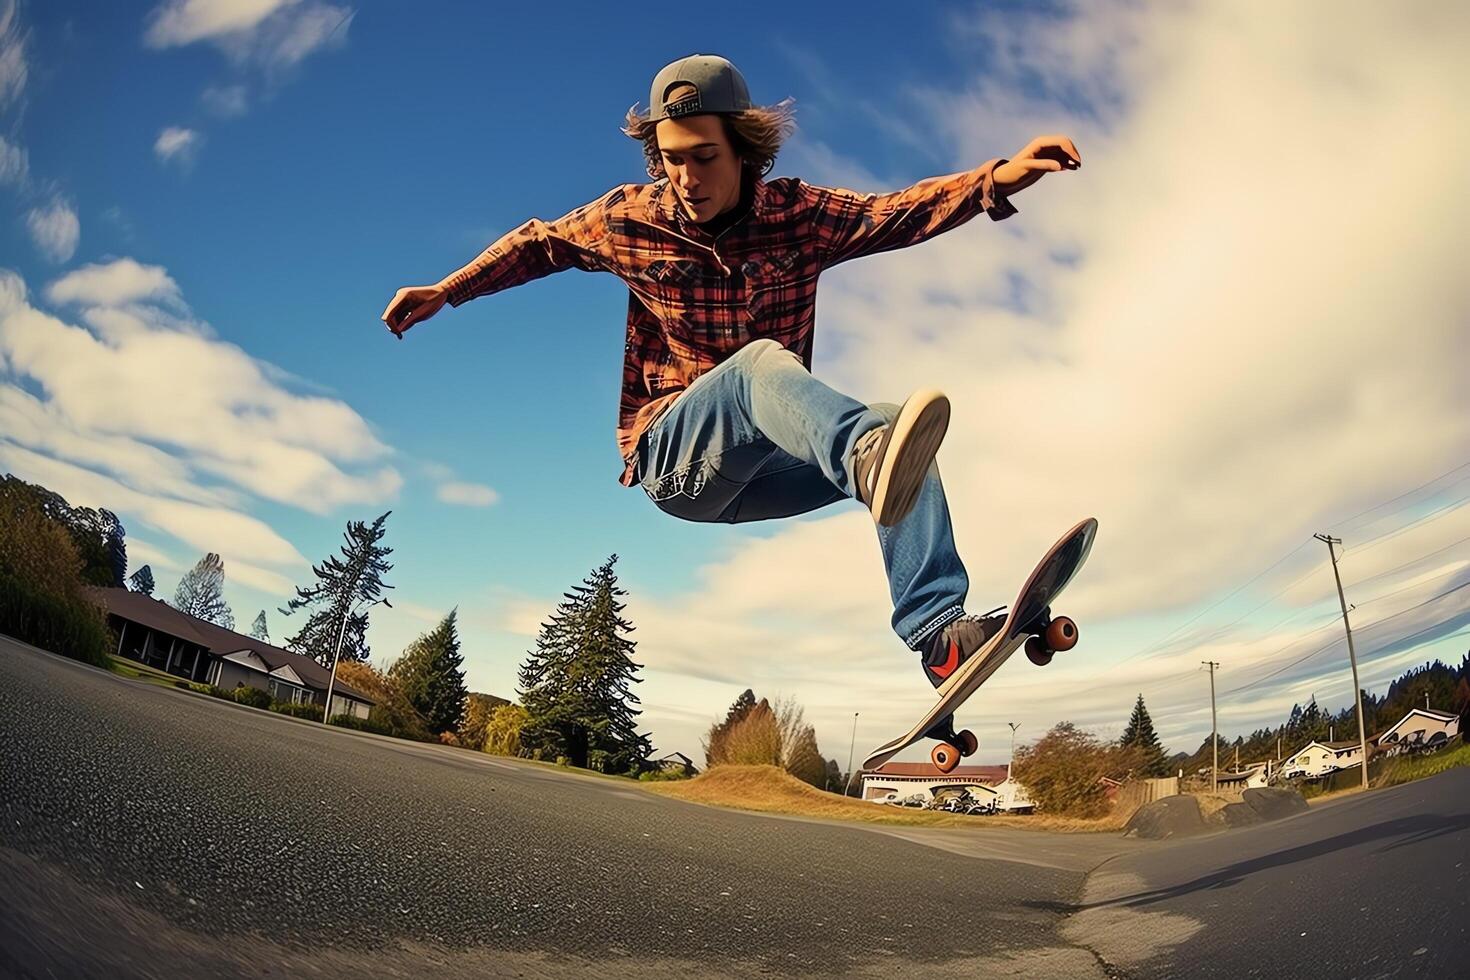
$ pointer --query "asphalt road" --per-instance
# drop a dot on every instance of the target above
(149, 832)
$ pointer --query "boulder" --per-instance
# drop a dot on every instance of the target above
(1239, 815)
(1173, 816)
(1273, 804)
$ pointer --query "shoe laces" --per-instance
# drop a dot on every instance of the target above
(864, 470)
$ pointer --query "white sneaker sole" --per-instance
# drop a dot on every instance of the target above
(917, 432)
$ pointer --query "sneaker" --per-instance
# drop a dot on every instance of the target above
(943, 652)
(889, 463)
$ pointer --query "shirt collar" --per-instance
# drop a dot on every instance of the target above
(665, 204)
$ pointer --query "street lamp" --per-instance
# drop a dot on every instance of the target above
(848, 788)
(336, 654)
(1012, 764)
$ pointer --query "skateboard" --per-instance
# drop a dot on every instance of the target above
(1029, 623)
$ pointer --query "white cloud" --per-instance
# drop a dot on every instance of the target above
(176, 143)
(55, 230)
(214, 427)
(1226, 329)
(271, 34)
(13, 66)
(114, 284)
(467, 494)
(14, 163)
(225, 100)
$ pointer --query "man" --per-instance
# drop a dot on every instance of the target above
(720, 418)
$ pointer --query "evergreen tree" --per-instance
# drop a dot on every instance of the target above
(258, 628)
(142, 581)
(1140, 736)
(97, 534)
(431, 675)
(576, 685)
(201, 592)
(340, 585)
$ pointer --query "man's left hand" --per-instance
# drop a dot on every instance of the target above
(1043, 155)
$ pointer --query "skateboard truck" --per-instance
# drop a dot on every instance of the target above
(1050, 636)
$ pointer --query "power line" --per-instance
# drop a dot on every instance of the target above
(1344, 523)
(1373, 542)
(1327, 646)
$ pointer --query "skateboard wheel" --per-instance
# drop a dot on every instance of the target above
(945, 757)
(1037, 652)
(1061, 634)
(966, 742)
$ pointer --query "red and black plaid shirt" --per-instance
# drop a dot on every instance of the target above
(695, 298)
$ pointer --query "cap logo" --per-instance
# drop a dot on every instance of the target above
(683, 107)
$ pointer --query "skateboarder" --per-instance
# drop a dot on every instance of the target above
(720, 418)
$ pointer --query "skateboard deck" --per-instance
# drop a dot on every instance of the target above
(1029, 619)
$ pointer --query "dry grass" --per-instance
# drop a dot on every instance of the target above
(768, 789)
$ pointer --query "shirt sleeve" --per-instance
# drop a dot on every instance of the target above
(849, 225)
(576, 240)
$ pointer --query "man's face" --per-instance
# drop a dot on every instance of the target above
(701, 164)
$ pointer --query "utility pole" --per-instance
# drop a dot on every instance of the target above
(848, 788)
(1010, 766)
(1214, 731)
(1352, 654)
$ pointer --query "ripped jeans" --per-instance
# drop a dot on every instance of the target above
(757, 437)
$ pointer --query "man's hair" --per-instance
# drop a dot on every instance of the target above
(755, 135)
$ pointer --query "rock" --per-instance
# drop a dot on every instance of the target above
(1173, 816)
(1273, 804)
(1239, 815)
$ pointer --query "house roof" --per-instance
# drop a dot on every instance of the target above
(135, 607)
(927, 770)
(1439, 716)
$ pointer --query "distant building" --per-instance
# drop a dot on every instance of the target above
(1319, 758)
(898, 780)
(1255, 776)
(154, 633)
(1419, 729)
(677, 762)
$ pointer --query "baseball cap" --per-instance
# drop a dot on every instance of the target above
(718, 87)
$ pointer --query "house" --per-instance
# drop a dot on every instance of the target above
(1420, 728)
(677, 762)
(1255, 776)
(904, 779)
(1012, 797)
(156, 634)
(1319, 758)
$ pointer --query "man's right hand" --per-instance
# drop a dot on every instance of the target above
(412, 304)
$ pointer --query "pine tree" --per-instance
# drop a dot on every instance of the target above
(142, 581)
(1140, 735)
(576, 685)
(259, 630)
(341, 584)
(201, 592)
(431, 675)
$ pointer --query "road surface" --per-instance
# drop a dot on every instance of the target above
(150, 832)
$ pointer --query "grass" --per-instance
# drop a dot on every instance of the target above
(142, 672)
(1404, 769)
(768, 789)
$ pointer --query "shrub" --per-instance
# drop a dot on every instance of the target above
(503, 730)
(392, 713)
(361, 724)
(663, 775)
(1063, 771)
(449, 738)
(311, 712)
(44, 600)
(252, 696)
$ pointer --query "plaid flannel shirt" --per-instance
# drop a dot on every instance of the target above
(695, 299)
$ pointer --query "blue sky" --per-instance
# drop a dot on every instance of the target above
(257, 179)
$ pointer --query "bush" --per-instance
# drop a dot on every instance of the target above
(503, 730)
(44, 600)
(1063, 771)
(252, 696)
(311, 712)
(663, 775)
(449, 738)
(362, 724)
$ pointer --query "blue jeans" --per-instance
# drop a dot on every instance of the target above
(757, 437)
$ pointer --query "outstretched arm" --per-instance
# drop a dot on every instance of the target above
(535, 249)
(849, 225)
